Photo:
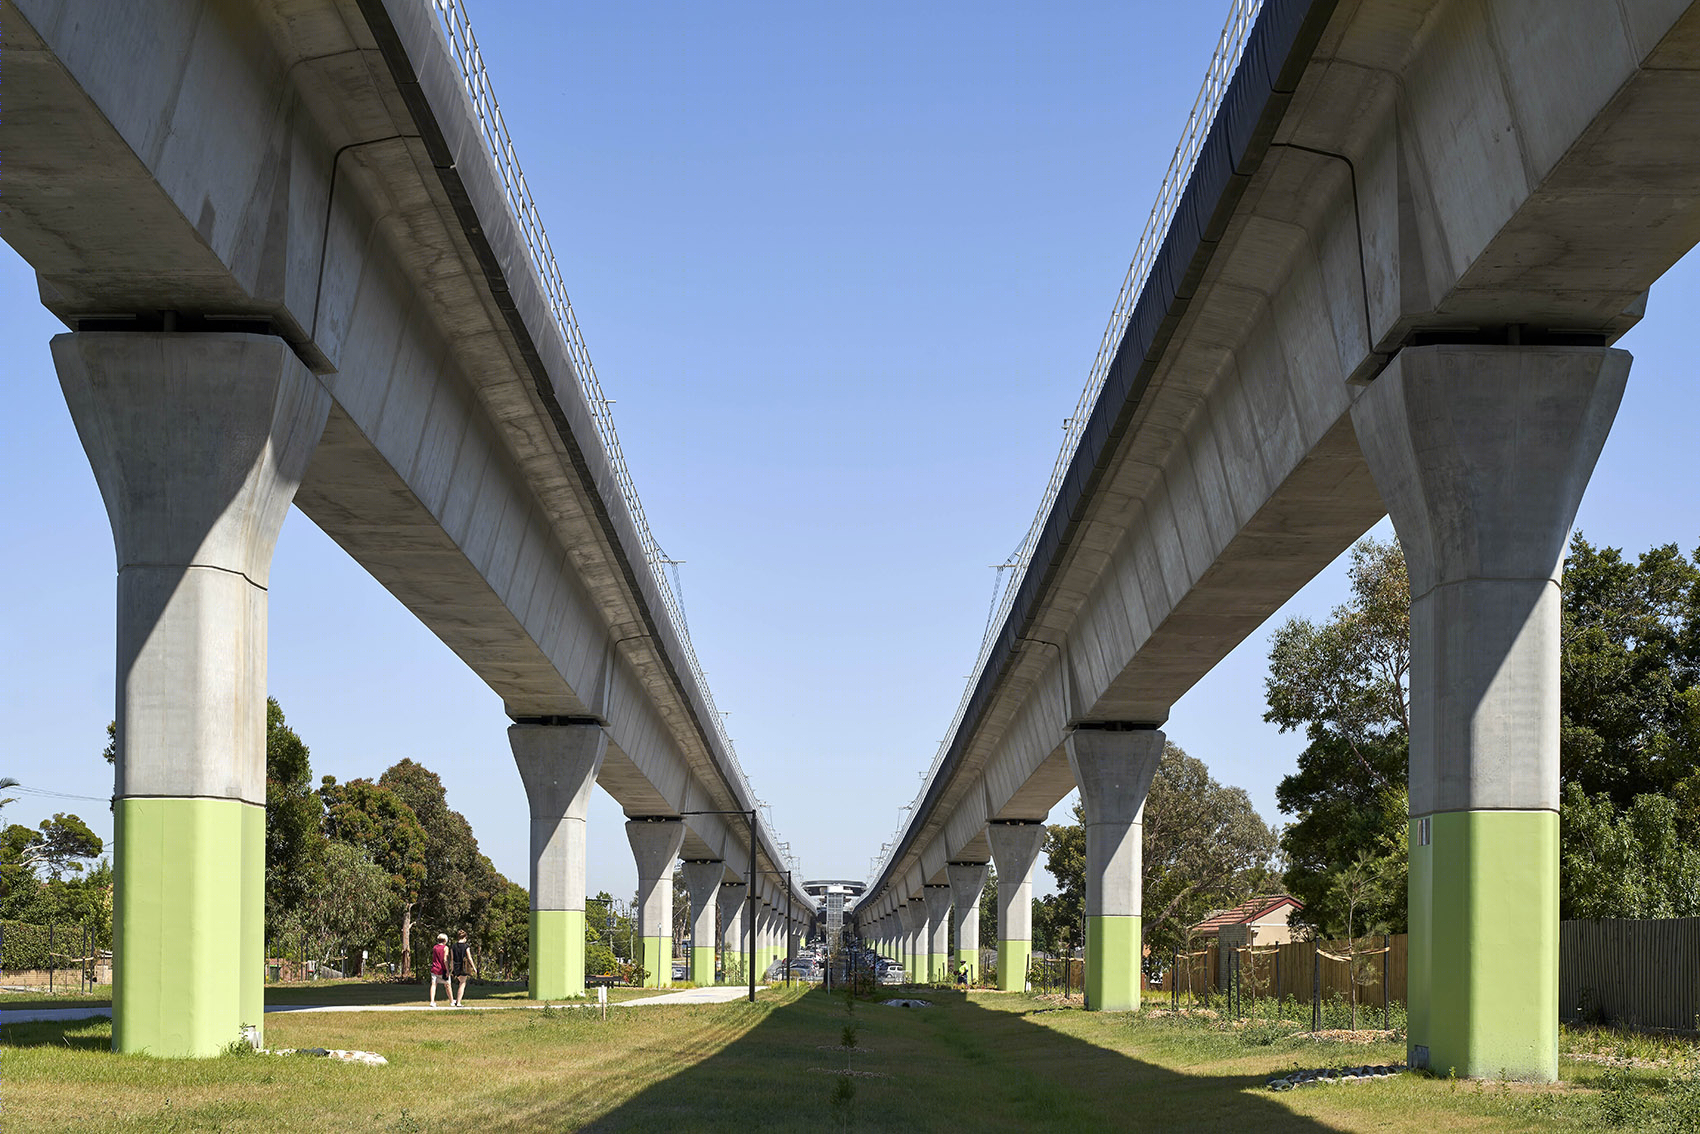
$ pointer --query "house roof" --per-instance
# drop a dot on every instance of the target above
(1249, 910)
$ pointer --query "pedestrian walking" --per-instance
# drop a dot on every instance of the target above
(462, 967)
(440, 968)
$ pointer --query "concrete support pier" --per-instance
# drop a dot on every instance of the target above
(913, 915)
(1114, 768)
(735, 928)
(702, 879)
(967, 883)
(198, 443)
(1015, 848)
(655, 846)
(558, 764)
(1481, 454)
(938, 931)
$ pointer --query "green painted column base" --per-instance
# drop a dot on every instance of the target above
(251, 989)
(1012, 965)
(557, 954)
(702, 964)
(657, 960)
(1112, 963)
(1491, 939)
(187, 972)
(938, 965)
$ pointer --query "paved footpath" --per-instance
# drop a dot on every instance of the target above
(720, 994)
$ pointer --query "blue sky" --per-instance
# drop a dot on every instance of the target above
(844, 271)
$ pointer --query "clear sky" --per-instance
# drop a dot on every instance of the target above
(844, 269)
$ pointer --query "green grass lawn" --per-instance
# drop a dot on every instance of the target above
(981, 1062)
(327, 992)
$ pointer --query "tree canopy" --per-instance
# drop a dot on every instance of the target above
(1629, 736)
(1205, 847)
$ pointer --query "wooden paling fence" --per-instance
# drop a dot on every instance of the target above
(1640, 974)
(1291, 971)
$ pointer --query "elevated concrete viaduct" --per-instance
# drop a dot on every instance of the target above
(298, 263)
(1406, 241)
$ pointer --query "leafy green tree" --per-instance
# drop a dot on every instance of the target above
(989, 910)
(59, 846)
(1205, 848)
(1057, 917)
(1629, 739)
(351, 898)
(1641, 861)
(506, 933)
(294, 817)
(376, 820)
(454, 880)
(1630, 665)
(1345, 681)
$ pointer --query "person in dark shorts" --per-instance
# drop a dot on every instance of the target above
(440, 968)
(462, 966)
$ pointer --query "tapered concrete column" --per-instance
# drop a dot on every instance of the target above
(1114, 769)
(938, 931)
(913, 915)
(967, 883)
(655, 845)
(764, 938)
(198, 443)
(1015, 848)
(702, 879)
(735, 926)
(558, 764)
(1482, 455)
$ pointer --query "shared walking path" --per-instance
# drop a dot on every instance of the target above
(718, 994)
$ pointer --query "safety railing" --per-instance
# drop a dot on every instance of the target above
(499, 145)
(1242, 16)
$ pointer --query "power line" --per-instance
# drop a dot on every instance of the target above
(57, 794)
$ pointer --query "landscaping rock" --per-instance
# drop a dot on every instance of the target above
(1335, 1075)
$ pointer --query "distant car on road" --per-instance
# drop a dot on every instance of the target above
(681, 971)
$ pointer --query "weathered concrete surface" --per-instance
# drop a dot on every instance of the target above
(1482, 454)
(198, 442)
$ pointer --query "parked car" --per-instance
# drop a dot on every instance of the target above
(681, 971)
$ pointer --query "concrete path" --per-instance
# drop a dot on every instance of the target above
(718, 994)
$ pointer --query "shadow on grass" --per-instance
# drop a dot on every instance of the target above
(957, 1065)
(91, 1033)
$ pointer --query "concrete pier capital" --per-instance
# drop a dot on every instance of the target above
(1114, 770)
(558, 765)
(1482, 453)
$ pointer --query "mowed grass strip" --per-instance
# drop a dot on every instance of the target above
(981, 1062)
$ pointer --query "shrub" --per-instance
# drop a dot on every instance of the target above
(26, 946)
